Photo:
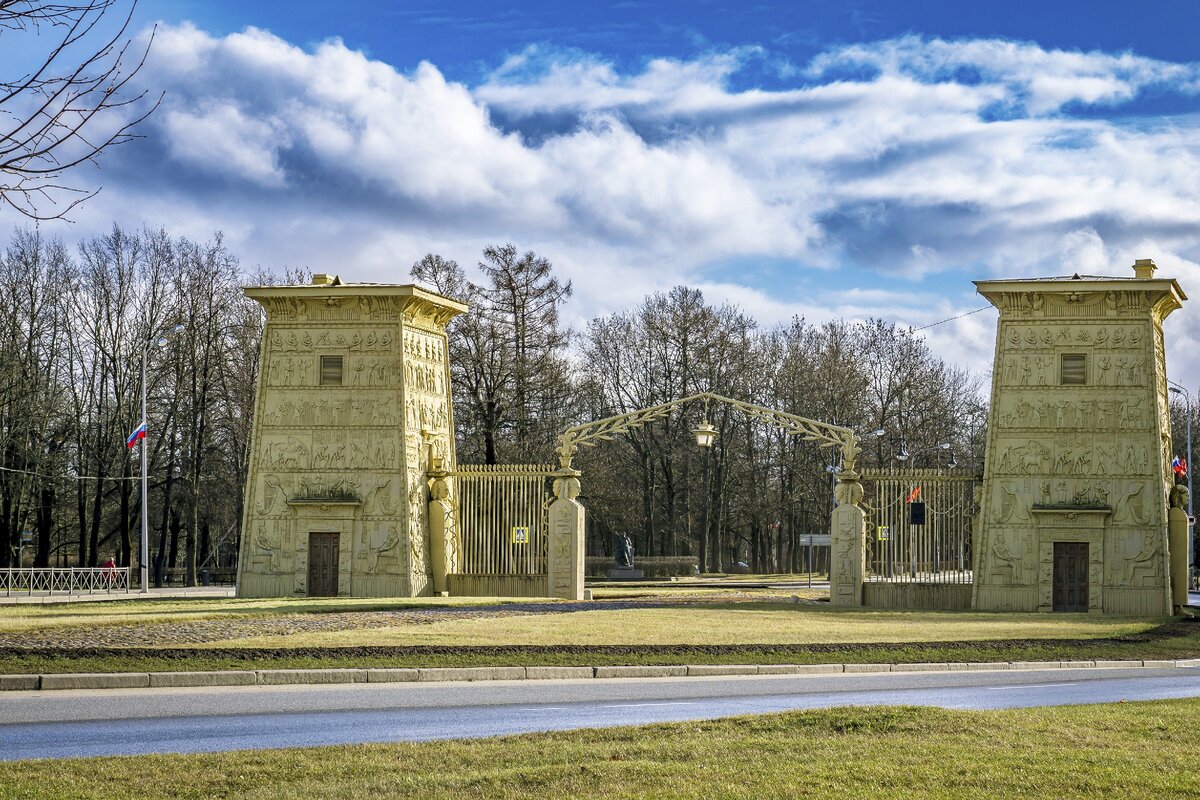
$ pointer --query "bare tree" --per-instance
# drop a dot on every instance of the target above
(510, 375)
(71, 105)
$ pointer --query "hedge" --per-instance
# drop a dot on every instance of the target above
(652, 566)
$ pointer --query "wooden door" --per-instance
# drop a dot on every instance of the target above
(322, 564)
(1070, 576)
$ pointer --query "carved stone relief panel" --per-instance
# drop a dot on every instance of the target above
(354, 340)
(1120, 370)
(1073, 454)
(300, 371)
(1026, 336)
(381, 551)
(290, 371)
(271, 545)
(1141, 560)
(1009, 556)
(332, 408)
(426, 395)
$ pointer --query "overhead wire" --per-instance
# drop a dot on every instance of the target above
(951, 319)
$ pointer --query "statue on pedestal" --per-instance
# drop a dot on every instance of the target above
(623, 561)
(624, 552)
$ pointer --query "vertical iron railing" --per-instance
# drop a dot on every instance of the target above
(64, 580)
(937, 551)
(492, 500)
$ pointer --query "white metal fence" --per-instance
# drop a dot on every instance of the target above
(67, 580)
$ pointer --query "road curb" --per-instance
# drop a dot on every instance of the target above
(299, 677)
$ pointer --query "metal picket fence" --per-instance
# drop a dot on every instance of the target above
(65, 580)
(935, 551)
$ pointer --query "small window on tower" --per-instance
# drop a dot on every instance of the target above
(331, 370)
(1074, 369)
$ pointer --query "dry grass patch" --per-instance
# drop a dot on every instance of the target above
(711, 623)
(33, 616)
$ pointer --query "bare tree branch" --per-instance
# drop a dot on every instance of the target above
(71, 107)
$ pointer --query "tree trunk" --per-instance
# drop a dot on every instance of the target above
(173, 557)
(124, 559)
(204, 545)
(93, 558)
(45, 525)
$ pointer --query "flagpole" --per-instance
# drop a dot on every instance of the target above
(145, 566)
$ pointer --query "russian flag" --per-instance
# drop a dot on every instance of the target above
(138, 434)
(1179, 466)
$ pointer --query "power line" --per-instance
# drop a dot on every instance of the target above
(951, 319)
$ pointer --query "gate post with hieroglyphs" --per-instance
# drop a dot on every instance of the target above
(443, 534)
(565, 562)
(847, 567)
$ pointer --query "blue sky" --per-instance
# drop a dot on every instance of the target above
(818, 158)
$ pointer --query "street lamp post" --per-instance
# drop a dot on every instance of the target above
(903, 453)
(144, 565)
(1178, 389)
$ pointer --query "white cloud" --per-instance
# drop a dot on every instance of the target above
(220, 138)
(1045, 80)
(938, 160)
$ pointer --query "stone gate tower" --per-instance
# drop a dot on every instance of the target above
(1073, 514)
(353, 411)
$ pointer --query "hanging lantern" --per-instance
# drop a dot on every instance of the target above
(705, 434)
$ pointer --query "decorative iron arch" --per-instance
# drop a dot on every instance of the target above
(829, 435)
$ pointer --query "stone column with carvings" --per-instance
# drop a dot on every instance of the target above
(848, 528)
(1177, 524)
(443, 535)
(565, 553)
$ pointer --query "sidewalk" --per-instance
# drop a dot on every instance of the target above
(211, 592)
(292, 677)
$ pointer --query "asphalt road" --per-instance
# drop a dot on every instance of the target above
(64, 724)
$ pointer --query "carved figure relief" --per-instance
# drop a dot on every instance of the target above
(370, 410)
(1032, 411)
(273, 497)
(1131, 504)
(379, 500)
(1141, 569)
(416, 524)
(1046, 337)
(383, 542)
(285, 455)
(1003, 562)
(1031, 458)
(267, 545)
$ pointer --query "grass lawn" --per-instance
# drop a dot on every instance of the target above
(1129, 750)
(33, 616)
(726, 627)
(715, 624)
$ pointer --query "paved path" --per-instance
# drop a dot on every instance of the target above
(76, 723)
